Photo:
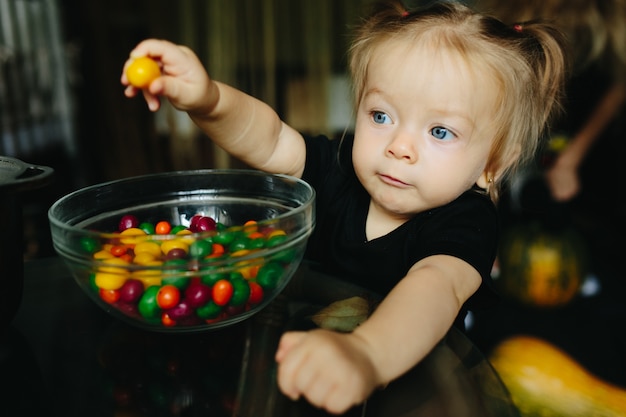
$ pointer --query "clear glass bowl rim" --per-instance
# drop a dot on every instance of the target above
(54, 220)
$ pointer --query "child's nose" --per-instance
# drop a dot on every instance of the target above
(402, 146)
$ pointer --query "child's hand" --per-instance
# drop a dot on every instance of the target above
(183, 81)
(331, 370)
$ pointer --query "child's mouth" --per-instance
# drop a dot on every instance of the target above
(392, 181)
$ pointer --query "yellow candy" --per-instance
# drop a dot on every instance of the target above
(118, 265)
(142, 71)
(149, 276)
(110, 281)
(248, 269)
(277, 232)
(147, 247)
(148, 281)
(103, 254)
(132, 236)
(112, 277)
(168, 245)
(240, 252)
(145, 258)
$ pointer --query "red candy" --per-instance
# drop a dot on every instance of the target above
(199, 223)
(198, 294)
(131, 291)
(128, 221)
(180, 311)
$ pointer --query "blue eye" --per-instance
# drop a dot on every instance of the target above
(441, 133)
(380, 117)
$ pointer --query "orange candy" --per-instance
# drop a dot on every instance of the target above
(163, 228)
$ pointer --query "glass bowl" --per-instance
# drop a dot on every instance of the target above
(187, 250)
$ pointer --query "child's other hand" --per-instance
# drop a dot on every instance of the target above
(331, 370)
(183, 81)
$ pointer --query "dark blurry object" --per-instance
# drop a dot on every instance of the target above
(541, 267)
(23, 392)
(16, 178)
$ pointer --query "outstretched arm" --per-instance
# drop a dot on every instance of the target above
(245, 127)
(338, 370)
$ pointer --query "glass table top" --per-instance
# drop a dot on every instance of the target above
(63, 356)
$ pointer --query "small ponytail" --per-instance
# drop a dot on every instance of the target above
(545, 49)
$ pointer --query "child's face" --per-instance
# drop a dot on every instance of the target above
(423, 132)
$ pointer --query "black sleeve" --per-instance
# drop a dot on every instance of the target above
(467, 229)
(321, 154)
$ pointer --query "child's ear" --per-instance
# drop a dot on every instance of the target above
(485, 180)
(491, 174)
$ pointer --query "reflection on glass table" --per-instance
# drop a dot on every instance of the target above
(63, 356)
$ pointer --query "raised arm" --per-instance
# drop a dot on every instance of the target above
(245, 127)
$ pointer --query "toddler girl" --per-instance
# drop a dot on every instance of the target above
(448, 104)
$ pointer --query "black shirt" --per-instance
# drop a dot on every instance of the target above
(466, 228)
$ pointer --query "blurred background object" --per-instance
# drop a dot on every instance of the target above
(36, 108)
(37, 111)
(573, 191)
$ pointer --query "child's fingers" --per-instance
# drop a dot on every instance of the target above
(287, 341)
(290, 361)
(130, 91)
(153, 48)
(166, 53)
(153, 101)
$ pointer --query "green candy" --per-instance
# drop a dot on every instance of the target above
(209, 311)
(148, 307)
(269, 275)
(200, 248)
(241, 290)
(148, 228)
(174, 273)
(89, 245)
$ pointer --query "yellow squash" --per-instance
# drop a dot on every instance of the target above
(545, 381)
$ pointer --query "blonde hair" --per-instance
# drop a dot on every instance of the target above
(527, 63)
(595, 29)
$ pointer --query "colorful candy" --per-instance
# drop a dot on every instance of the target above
(167, 275)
